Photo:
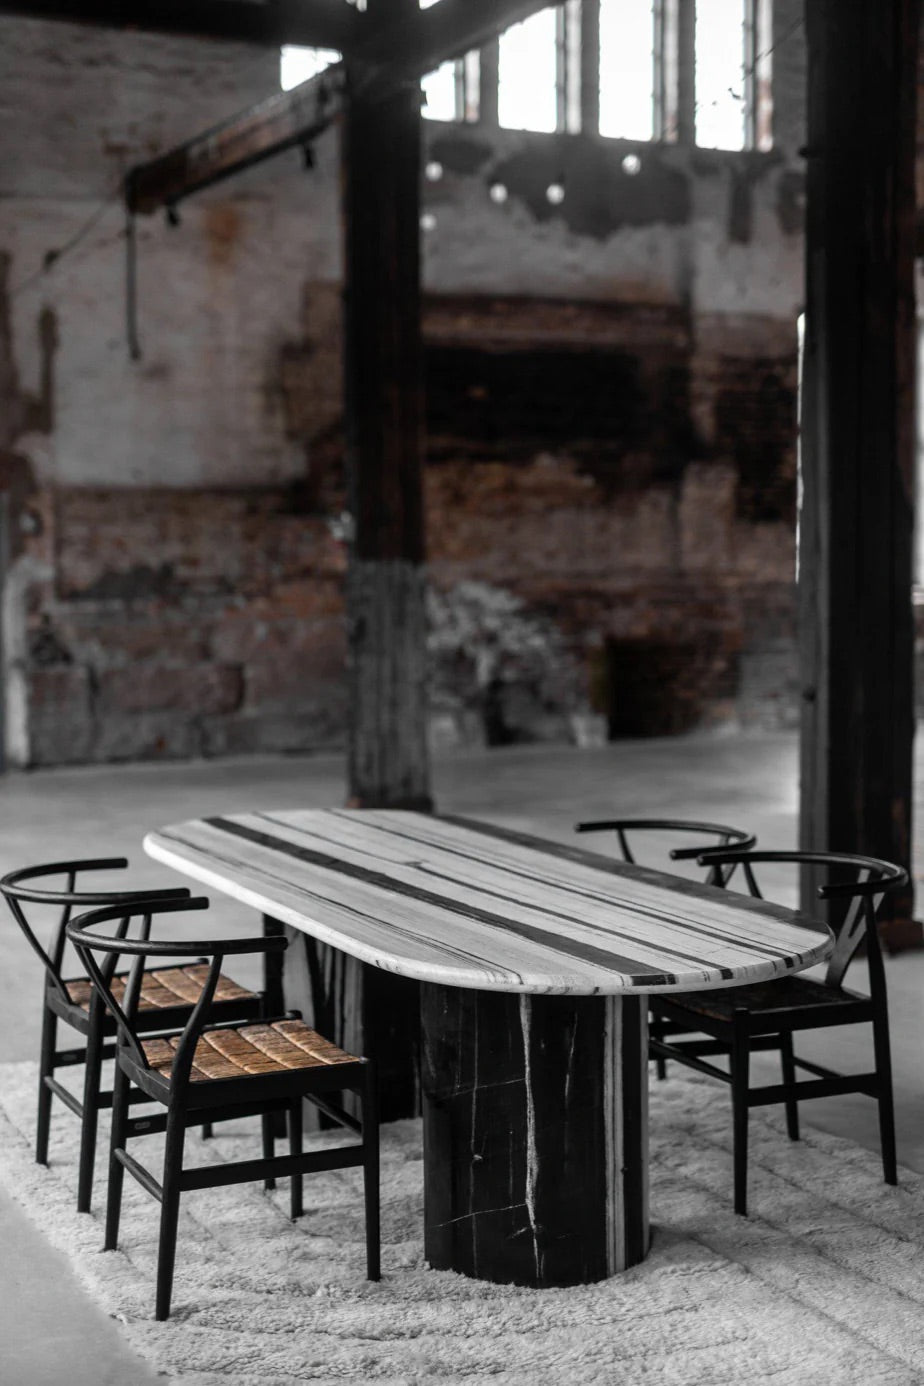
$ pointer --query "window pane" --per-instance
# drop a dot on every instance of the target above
(298, 64)
(720, 88)
(439, 89)
(627, 69)
(527, 72)
(471, 73)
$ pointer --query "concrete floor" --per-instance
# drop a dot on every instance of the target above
(46, 1321)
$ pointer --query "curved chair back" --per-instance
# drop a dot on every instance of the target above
(870, 881)
(18, 887)
(692, 829)
(82, 933)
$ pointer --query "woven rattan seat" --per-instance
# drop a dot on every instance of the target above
(165, 989)
(783, 993)
(280, 1046)
(202, 1071)
(168, 995)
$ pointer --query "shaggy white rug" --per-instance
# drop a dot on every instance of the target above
(822, 1285)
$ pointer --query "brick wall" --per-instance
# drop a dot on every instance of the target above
(611, 452)
(184, 623)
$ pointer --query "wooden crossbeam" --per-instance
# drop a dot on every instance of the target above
(281, 122)
(445, 30)
(313, 23)
(382, 58)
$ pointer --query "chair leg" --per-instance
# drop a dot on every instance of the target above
(117, 1141)
(207, 1131)
(268, 1120)
(370, 1120)
(169, 1212)
(740, 1066)
(789, 1082)
(883, 1052)
(46, 1069)
(89, 1120)
(295, 1148)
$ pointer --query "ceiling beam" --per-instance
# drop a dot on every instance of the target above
(382, 57)
(313, 23)
(445, 30)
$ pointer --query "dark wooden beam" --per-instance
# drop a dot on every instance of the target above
(388, 760)
(281, 122)
(313, 23)
(856, 522)
(448, 30)
(384, 56)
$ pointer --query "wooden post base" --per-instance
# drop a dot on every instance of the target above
(535, 1134)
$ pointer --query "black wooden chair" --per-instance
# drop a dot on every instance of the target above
(686, 827)
(742, 1020)
(217, 1073)
(702, 834)
(166, 1000)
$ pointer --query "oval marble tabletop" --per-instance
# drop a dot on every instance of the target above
(465, 904)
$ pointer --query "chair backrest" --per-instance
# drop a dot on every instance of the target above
(20, 889)
(100, 952)
(695, 832)
(868, 882)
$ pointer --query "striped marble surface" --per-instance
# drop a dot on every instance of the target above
(466, 904)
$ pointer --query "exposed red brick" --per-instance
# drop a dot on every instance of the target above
(61, 725)
(197, 690)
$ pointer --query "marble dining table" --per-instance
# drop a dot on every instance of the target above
(534, 960)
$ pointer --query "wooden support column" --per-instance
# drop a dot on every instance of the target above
(388, 761)
(858, 437)
(364, 1009)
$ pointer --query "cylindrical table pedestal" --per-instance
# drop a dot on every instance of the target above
(535, 1134)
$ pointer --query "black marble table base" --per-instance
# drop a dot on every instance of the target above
(535, 1134)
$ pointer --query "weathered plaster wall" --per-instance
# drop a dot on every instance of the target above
(177, 564)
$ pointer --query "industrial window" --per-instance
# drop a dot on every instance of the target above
(612, 67)
(527, 74)
(630, 54)
(732, 66)
(297, 64)
(451, 91)
(627, 69)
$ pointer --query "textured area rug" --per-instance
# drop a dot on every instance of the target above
(823, 1284)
